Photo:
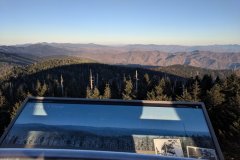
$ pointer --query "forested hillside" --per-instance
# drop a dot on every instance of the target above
(70, 77)
(10, 60)
(191, 71)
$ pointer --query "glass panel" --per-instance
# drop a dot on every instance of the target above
(170, 131)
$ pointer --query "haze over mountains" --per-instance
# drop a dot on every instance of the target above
(211, 56)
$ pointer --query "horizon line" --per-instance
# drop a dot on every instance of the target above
(117, 44)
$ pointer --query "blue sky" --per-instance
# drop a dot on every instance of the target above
(184, 22)
(164, 118)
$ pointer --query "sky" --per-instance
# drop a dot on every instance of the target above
(182, 22)
(143, 117)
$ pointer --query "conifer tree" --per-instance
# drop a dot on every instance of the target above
(158, 93)
(96, 93)
(196, 91)
(144, 87)
(218, 80)
(206, 83)
(215, 97)
(168, 87)
(226, 116)
(151, 95)
(107, 92)
(88, 92)
(146, 79)
(128, 90)
(41, 89)
(38, 86)
(232, 90)
(186, 96)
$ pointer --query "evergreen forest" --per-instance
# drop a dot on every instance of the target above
(83, 78)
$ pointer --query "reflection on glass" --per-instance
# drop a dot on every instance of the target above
(170, 131)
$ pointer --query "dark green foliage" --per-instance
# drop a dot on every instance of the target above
(14, 109)
(191, 71)
(96, 93)
(223, 107)
(192, 95)
(11, 60)
(159, 92)
(196, 91)
(41, 89)
(128, 90)
(2, 100)
(144, 86)
(107, 92)
(186, 96)
(215, 97)
(206, 83)
(88, 92)
(4, 119)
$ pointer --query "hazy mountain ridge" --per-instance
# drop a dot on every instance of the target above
(137, 47)
(111, 131)
(212, 56)
(181, 48)
(203, 59)
(38, 49)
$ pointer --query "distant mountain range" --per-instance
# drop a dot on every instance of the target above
(34, 49)
(203, 59)
(75, 47)
(104, 131)
(212, 56)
